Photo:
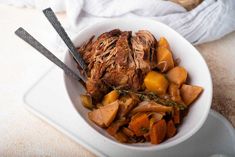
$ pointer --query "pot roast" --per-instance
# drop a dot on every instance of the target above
(118, 59)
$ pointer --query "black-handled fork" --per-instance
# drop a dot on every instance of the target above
(51, 17)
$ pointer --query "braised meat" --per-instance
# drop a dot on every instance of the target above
(118, 59)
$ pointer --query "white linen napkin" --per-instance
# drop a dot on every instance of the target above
(211, 20)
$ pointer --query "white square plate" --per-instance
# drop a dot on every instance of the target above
(49, 100)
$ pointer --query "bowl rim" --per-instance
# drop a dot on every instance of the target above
(171, 143)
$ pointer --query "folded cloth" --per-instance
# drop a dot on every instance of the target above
(210, 20)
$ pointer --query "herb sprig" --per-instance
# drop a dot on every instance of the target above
(152, 96)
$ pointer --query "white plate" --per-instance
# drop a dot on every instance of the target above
(48, 99)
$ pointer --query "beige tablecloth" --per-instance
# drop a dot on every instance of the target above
(220, 57)
(23, 134)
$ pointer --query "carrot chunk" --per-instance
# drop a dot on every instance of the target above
(139, 125)
(176, 116)
(171, 130)
(121, 137)
(114, 127)
(128, 132)
(158, 132)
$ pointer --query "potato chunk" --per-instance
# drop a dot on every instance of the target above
(165, 60)
(110, 97)
(86, 101)
(96, 117)
(174, 92)
(104, 115)
(156, 82)
(190, 93)
(163, 43)
(177, 75)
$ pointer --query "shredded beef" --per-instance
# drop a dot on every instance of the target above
(118, 59)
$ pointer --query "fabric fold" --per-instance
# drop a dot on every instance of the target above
(210, 20)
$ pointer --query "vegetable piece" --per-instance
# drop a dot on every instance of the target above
(161, 99)
(165, 60)
(126, 104)
(110, 97)
(104, 115)
(128, 132)
(147, 136)
(189, 93)
(184, 112)
(96, 117)
(86, 101)
(151, 122)
(114, 127)
(137, 115)
(156, 82)
(143, 87)
(109, 112)
(177, 75)
(163, 43)
(176, 116)
(121, 137)
(158, 132)
(162, 66)
(99, 105)
(155, 117)
(171, 130)
(139, 125)
(151, 106)
(174, 93)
